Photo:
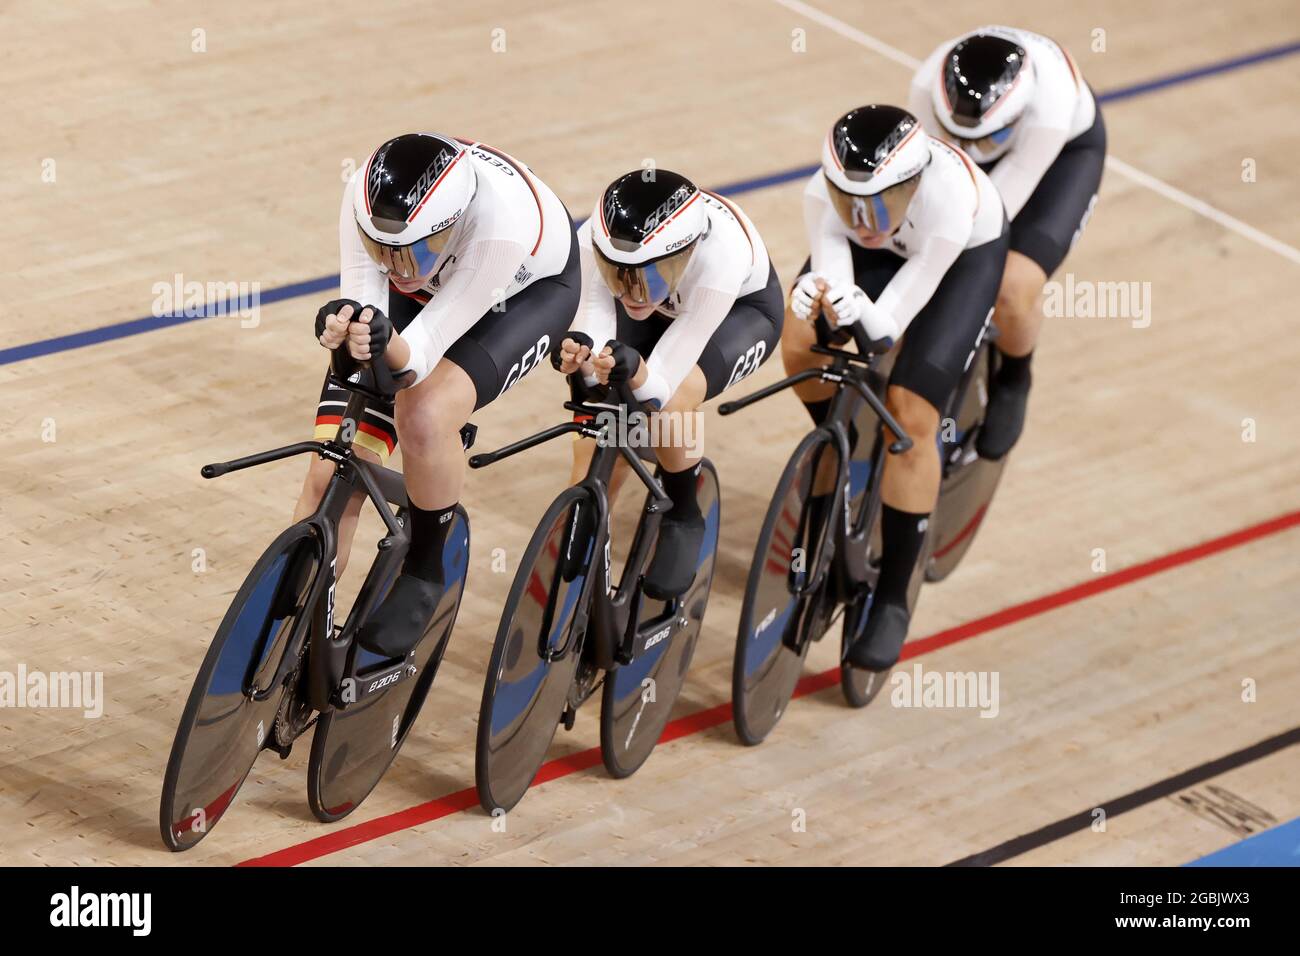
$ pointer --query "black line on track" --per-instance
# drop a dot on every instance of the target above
(1130, 801)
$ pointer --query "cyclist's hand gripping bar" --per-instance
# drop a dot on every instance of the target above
(868, 349)
(627, 399)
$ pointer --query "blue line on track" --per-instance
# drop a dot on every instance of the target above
(1187, 76)
(150, 323)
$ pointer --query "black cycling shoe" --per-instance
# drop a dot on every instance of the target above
(1004, 420)
(397, 625)
(881, 642)
(676, 557)
(577, 540)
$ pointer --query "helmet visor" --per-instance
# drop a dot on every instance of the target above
(882, 212)
(646, 284)
(415, 261)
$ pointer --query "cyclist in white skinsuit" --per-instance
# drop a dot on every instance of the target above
(908, 238)
(680, 299)
(514, 232)
(955, 208)
(459, 270)
(1017, 104)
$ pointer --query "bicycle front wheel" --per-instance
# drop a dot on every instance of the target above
(224, 726)
(774, 633)
(536, 652)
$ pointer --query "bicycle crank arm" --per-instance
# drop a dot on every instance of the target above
(653, 632)
(373, 683)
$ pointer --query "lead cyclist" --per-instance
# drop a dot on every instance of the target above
(1017, 104)
(459, 270)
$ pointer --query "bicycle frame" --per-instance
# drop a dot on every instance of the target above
(331, 651)
(611, 611)
(847, 370)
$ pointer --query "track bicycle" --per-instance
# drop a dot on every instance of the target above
(279, 665)
(568, 630)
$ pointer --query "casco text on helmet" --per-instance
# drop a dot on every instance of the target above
(985, 82)
(645, 230)
(413, 186)
(646, 215)
(872, 148)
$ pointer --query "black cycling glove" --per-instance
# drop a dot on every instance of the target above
(626, 362)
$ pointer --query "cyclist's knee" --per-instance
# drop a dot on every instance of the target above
(915, 415)
(431, 415)
(1022, 281)
(689, 395)
(422, 430)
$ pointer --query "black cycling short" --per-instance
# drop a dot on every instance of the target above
(498, 350)
(1057, 211)
(746, 338)
(941, 340)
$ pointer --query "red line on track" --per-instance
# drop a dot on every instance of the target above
(359, 833)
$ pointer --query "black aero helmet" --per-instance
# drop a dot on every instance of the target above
(871, 158)
(985, 82)
(644, 229)
(411, 192)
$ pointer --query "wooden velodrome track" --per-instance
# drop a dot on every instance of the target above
(226, 164)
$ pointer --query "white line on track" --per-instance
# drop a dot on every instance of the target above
(1204, 209)
(1161, 188)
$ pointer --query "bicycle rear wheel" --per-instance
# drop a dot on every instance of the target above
(535, 653)
(969, 481)
(860, 687)
(638, 697)
(223, 728)
(354, 746)
(777, 623)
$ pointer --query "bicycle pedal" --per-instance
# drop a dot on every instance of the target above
(282, 749)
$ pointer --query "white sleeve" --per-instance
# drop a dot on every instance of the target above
(1018, 174)
(913, 285)
(359, 277)
(681, 346)
(827, 242)
(596, 316)
(468, 288)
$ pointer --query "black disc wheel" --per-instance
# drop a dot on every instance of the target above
(535, 653)
(784, 606)
(234, 703)
(638, 697)
(968, 480)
